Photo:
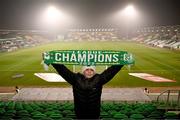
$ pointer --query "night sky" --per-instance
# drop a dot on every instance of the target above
(24, 14)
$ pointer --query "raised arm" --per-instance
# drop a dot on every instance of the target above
(108, 74)
(68, 75)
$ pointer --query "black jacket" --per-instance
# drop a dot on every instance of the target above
(87, 91)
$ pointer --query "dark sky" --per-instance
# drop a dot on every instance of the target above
(24, 14)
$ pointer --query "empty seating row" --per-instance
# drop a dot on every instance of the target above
(56, 111)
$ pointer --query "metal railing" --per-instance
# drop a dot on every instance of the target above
(168, 94)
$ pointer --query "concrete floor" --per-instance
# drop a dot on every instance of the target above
(65, 94)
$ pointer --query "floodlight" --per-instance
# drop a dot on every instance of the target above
(52, 15)
(53, 18)
(130, 11)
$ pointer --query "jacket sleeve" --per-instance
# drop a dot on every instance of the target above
(109, 73)
(68, 75)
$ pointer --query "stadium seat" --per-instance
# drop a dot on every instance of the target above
(35, 112)
(11, 111)
(25, 118)
(47, 118)
(127, 111)
(112, 112)
(11, 105)
(170, 115)
(65, 111)
(2, 111)
(39, 116)
(28, 108)
(110, 118)
(137, 116)
(66, 119)
(48, 113)
(7, 116)
(71, 115)
(104, 114)
(18, 106)
(156, 115)
(56, 116)
(120, 116)
(22, 114)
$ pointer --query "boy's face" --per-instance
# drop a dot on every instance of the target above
(89, 73)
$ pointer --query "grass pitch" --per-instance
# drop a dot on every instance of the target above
(157, 61)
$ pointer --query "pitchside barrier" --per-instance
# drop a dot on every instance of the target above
(88, 57)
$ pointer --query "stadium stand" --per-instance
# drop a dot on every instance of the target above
(65, 111)
(96, 34)
(162, 36)
(11, 40)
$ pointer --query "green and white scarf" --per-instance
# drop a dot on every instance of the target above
(88, 57)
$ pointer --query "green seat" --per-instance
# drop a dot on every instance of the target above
(66, 118)
(120, 116)
(56, 116)
(68, 106)
(56, 111)
(71, 115)
(39, 116)
(156, 115)
(11, 111)
(137, 116)
(22, 112)
(35, 112)
(112, 112)
(39, 109)
(47, 118)
(49, 109)
(11, 105)
(2, 111)
(48, 113)
(55, 107)
(105, 107)
(6, 118)
(126, 111)
(104, 115)
(18, 106)
(109, 106)
(2, 104)
(23, 115)
(28, 108)
(66, 112)
(26, 118)
(148, 109)
(107, 118)
(170, 115)
(9, 114)
(34, 106)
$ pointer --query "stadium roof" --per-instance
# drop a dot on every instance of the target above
(24, 14)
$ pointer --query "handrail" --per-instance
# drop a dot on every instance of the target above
(168, 95)
(161, 94)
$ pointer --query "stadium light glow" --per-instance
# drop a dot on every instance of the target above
(129, 17)
(53, 18)
(52, 15)
(129, 11)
